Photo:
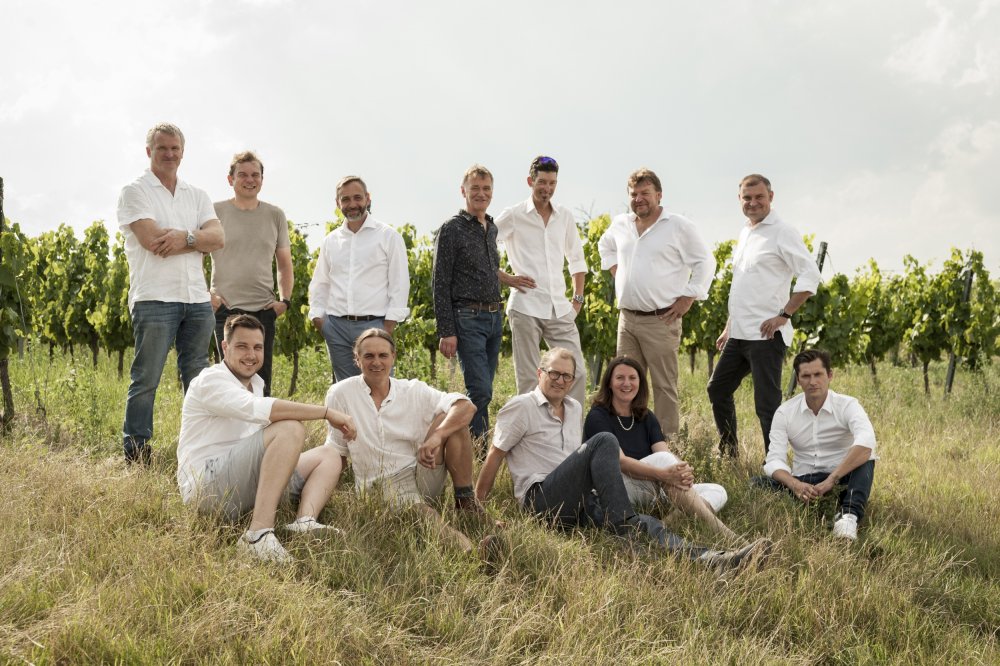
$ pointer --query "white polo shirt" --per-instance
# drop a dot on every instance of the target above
(388, 438)
(668, 261)
(176, 279)
(363, 273)
(541, 251)
(819, 442)
(218, 411)
(766, 258)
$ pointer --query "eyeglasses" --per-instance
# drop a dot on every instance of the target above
(556, 375)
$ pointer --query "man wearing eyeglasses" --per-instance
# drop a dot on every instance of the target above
(661, 266)
(573, 484)
(466, 289)
(256, 237)
(540, 237)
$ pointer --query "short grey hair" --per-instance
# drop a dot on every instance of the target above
(554, 353)
(166, 128)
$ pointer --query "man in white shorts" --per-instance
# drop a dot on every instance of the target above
(240, 451)
(410, 436)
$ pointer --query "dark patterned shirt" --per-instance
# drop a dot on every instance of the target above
(465, 267)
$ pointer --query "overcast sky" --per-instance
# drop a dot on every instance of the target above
(877, 122)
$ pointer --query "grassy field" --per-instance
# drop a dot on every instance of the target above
(100, 563)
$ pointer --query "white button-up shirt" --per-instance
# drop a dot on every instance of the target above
(388, 438)
(668, 261)
(218, 411)
(766, 258)
(541, 250)
(535, 440)
(819, 442)
(363, 273)
(175, 279)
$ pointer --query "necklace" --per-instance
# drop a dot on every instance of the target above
(630, 425)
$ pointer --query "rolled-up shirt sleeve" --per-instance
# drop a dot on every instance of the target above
(510, 426)
(607, 247)
(399, 279)
(334, 437)
(702, 264)
(777, 452)
(860, 426)
(133, 205)
(793, 250)
(574, 250)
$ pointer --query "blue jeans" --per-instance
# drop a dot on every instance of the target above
(762, 359)
(587, 488)
(855, 487)
(340, 334)
(267, 319)
(158, 326)
(479, 334)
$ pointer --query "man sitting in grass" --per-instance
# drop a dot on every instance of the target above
(409, 435)
(832, 442)
(239, 451)
(574, 484)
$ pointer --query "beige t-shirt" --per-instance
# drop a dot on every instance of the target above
(241, 271)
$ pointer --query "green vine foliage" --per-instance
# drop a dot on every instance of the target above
(15, 307)
(598, 318)
(419, 331)
(110, 316)
(293, 330)
(91, 263)
(705, 321)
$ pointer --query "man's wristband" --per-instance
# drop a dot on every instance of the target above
(287, 303)
(578, 298)
(784, 314)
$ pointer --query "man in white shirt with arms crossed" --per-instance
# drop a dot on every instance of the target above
(240, 451)
(362, 278)
(168, 227)
(661, 266)
(767, 255)
(832, 443)
(540, 237)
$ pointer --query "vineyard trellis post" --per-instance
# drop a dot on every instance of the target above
(8, 396)
(952, 360)
(820, 260)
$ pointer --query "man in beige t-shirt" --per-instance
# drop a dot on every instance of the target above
(242, 281)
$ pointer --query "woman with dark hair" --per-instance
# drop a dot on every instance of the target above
(649, 469)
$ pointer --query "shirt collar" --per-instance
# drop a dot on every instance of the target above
(772, 218)
(827, 405)
(367, 225)
(529, 207)
(150, 178)
(469, 217)
(664, 215)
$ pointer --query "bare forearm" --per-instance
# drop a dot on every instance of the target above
(796, 300)
(458, 416)
(578, 283)
(488, 473)
(856, 457)
(286, 410)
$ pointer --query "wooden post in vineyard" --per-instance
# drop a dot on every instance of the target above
(952, 361)
(8, 396)
(820, 260)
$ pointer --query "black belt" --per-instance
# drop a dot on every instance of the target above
(360, 317)
(649, 313)
(492, 306)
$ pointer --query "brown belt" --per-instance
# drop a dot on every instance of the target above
(650, 313)
(360, 317)
(492, 306)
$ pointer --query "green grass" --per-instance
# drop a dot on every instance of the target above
(101, 563)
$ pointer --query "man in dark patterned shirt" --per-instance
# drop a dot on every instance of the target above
(467, 292)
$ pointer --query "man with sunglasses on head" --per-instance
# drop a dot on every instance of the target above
(361, 279)
(540, 238)
(572, 484)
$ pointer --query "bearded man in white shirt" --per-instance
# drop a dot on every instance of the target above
(240, 451)
(361, 279)
(410, 436)
(540, 237)
(168, 226)
(832, 442)
(768, 254)
(661, 266)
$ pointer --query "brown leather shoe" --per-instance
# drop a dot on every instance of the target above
(470, 505)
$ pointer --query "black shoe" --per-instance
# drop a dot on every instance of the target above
(138, 451)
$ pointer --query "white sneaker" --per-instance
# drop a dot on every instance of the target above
(846, 527)
(308, 524)
(266, 547)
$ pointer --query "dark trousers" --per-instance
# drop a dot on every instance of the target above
(567, 496)
(267, 318)
(762, 359)
(856, 487)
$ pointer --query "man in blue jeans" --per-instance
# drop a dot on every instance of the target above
(168, 227)
(832, 444)
(574, 484)
(466, 288)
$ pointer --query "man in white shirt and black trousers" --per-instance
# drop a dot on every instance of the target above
(661, 266)
(832, 443)
(768, 254)
(240, 451)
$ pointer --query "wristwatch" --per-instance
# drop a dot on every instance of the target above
(578, 298)
(784, 314)
(287, 303)
(190, 239)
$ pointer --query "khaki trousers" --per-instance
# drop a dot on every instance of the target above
(654, 344)
(527, 332)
